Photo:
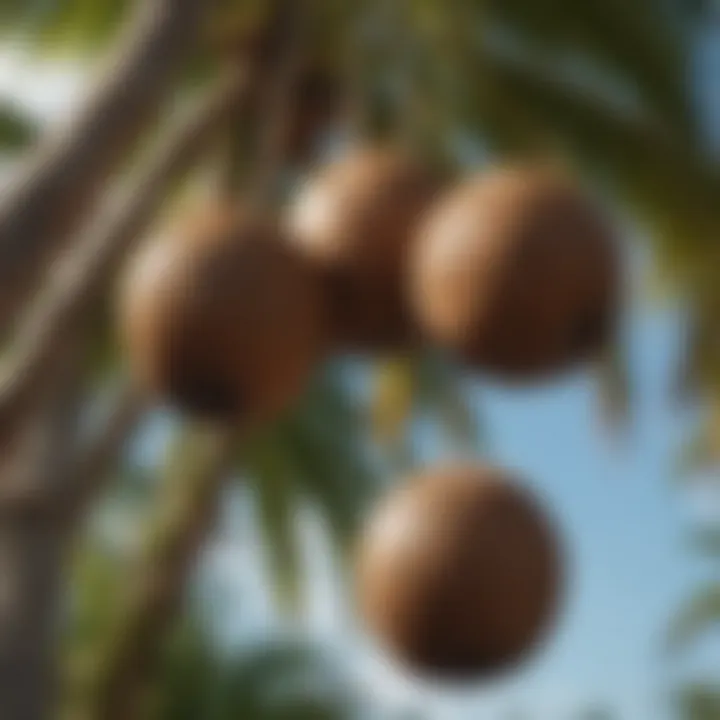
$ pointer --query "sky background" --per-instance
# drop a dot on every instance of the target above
(623, 516)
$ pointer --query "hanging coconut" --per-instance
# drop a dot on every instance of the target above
(459, 573)
(221, 318)
(355, 220)
(517, 270)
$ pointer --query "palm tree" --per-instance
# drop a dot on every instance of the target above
(603, 84)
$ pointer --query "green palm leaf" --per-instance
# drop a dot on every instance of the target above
(317, 455)
(269, 466)
(635, 43)
(278, 680)
(17, 130)
(189, 676)
(613, 388)
(329, 442)
(281, 681)
(76, 26)
(701, 613)
(699, 702)
(442, 393)
(707, 542)
(427, 386)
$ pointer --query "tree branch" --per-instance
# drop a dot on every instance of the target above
(81, 280)
(69, 169)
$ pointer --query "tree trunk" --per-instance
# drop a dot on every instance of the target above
(30, 567)
(69, 170)
(31, 555)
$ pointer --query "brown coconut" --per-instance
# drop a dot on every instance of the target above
(221, 318)
(459, 573)
(517, 270)
(355, 220)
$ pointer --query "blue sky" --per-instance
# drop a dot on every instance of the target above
(622, 517)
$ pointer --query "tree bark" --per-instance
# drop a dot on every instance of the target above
(31, 556)
(69, 169)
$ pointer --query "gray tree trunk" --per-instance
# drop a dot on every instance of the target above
(31, 554)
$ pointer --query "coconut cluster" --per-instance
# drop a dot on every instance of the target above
(513, 271)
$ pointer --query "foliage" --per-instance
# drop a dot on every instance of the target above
(318, 454)
(17, 131)
(699, 702)
(278, 680)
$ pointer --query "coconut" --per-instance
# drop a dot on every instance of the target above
(355, 220)
(459, 573)
(517, 271)
(220, 318)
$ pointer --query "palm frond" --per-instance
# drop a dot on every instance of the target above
(636, 45)
(269, 467)
(425, 387)
(317, 454)
(443, 393)
(699, 702)
(277, 680)
(282, 681)
(335, 470)
(706, 542)
(76, 26)
(17, 130)
(392, 403)
(698, 615)
(613, 388)
(189, 675)
(697, 454)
